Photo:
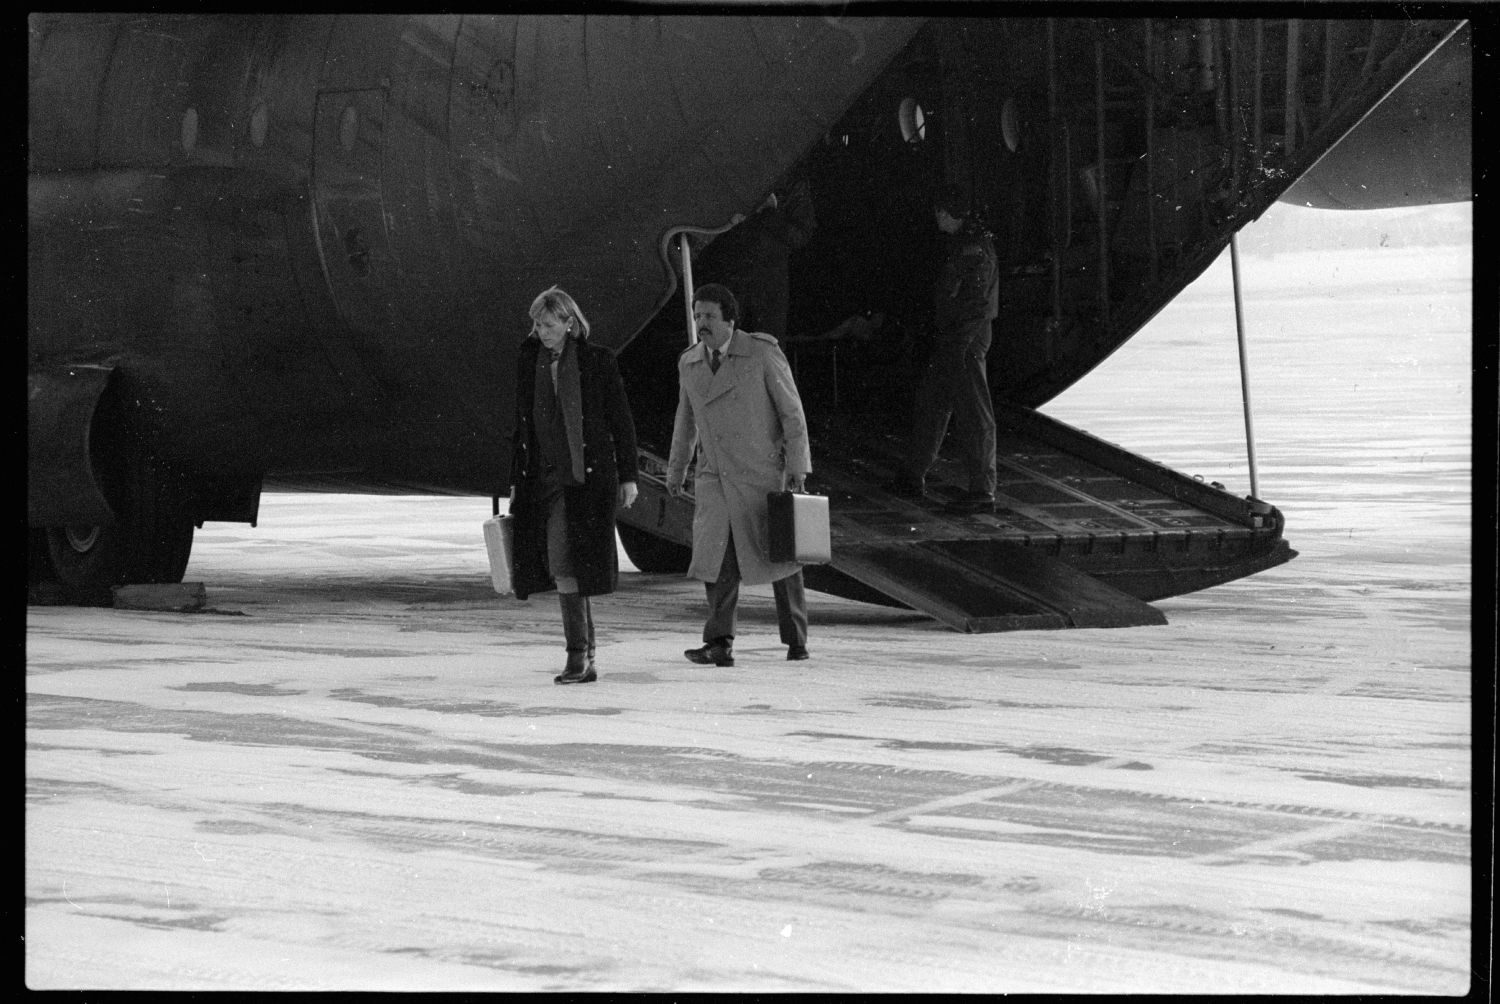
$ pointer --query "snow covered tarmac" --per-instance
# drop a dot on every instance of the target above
(354, 772)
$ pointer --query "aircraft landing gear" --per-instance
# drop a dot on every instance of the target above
(149, 543)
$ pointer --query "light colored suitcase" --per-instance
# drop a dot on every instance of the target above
(799, 528)
(499, 541)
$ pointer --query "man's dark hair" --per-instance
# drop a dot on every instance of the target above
(714, 293)
(953, 200)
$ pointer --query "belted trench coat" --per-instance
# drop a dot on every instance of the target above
(746, 428)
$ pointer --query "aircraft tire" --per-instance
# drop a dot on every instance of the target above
(150, 543)
(651, 554)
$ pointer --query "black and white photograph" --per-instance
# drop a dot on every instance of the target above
(848, 499)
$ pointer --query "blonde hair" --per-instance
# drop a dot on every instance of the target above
(555, 301)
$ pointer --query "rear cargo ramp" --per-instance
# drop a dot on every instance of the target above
(1084, 533)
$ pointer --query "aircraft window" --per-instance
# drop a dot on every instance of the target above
(189, 130)
(259, 119)
(349, 128)
(913, 121)
(1010, 125)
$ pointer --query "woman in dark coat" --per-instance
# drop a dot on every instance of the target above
(573, 459)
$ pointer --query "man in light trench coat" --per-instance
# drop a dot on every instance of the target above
(739, 413)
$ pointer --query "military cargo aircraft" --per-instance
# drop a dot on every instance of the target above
(295, 253)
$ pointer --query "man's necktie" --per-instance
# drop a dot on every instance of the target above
(713, 361)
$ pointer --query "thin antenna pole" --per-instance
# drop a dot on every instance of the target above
(1239, 324)
(687, 290)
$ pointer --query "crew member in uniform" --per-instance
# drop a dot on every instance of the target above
(739, 414)
(955, 383)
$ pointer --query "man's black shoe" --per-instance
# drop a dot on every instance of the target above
(796, 653)
(906, 488)
(974, 501)
(715, 653)
(585, 674)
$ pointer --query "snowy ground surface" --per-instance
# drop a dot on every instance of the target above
(353, 772)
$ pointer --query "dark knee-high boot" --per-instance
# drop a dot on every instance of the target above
(576, 634)
(588, 616)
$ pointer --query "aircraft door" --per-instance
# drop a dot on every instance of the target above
(356, 258)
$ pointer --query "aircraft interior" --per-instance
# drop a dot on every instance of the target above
(1111, 171)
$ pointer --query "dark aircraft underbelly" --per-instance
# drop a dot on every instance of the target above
(1084, 533)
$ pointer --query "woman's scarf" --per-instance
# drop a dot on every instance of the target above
(570, 403)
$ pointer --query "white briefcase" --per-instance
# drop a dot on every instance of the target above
(799, 528)
(499, 541)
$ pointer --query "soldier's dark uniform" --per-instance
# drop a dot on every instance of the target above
(965, 301)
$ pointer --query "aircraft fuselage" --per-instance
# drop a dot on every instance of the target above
(308, 243)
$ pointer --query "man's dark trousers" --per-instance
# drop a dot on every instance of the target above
(955, 385)
(724, 598)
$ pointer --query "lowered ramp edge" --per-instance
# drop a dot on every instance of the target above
(1083, 533)
(982, 586)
